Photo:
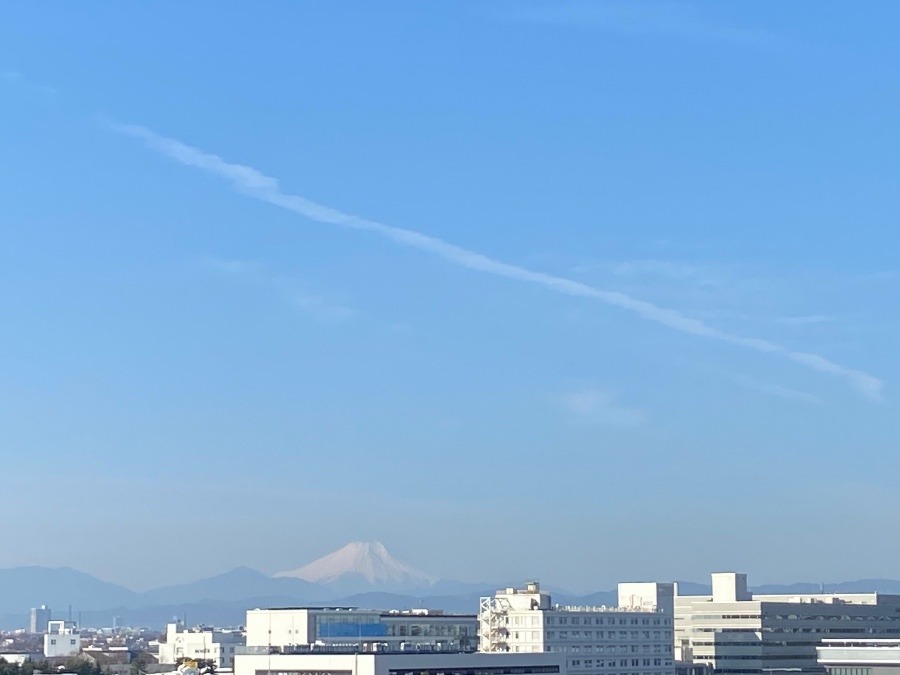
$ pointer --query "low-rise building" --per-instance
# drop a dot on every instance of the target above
(18, 658)
(423, 630)
(61, 639)
(331, 661)
(215, 645)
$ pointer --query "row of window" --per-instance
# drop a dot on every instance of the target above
(612, 663)
(760, 643)
(610, 634)
(601, 621)
(428, 630)
(849, 671)
(763, 657)
(599, 649)
(793, 617)
(786, 631)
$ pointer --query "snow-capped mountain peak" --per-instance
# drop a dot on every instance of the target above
(361, 566)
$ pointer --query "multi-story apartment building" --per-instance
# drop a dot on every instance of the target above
(209, 644)
(733, 631)
(634, 638)
(422, 630)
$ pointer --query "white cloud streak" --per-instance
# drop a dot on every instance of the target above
(600, 406)
(254, 183)
(15, 77)
(317, 306)
(779, 391)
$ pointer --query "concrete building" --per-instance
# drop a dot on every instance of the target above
(61, 639)
(634, 638)
(734, 631)
(424, 630)
(213, 645)
(333, 662)
(860, 657)
(38, 618)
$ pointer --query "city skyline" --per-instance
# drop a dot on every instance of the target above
(615, 278)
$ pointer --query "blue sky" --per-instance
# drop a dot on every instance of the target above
(584, 291)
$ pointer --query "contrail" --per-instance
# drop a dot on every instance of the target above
(256, 184)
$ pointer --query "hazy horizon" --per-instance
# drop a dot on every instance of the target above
(581, 291)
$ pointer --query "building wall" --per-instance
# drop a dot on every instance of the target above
(216, 646)
(38, 619)
(593, 640)
(278, 627)
(61, 639)
(284, 628)
(772, 632)
(398, 664)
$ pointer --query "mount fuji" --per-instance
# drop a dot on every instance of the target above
(362, 566)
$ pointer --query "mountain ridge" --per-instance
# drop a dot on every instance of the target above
(357, 574)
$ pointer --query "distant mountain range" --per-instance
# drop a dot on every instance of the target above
(360, 574)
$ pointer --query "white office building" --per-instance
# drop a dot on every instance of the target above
(282, 629)
(860, 657)
(333, 662)
(734, 631)
(634, 638)
(217, 646)
(61, 639)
